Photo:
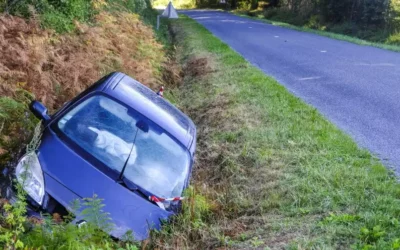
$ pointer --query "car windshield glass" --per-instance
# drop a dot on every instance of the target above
(108, 131)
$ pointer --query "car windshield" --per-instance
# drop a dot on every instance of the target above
(109, 132)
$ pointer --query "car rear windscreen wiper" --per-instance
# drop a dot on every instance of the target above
(141, 125)
(134, 188)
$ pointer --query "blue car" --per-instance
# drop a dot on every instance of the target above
(120, 141)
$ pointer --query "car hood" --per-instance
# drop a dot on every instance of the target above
(69, 171)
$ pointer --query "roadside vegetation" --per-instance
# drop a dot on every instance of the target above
(270, 170)
(63, 15)
(180, 4)
(51, 51)
(39, 62)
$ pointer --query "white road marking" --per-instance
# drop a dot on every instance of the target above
(231, 21)
(376, 64)
(309, 78)
(276, 36)
(201, 17)
(323, 51)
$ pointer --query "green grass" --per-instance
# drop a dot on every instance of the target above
(321, 32)
(274, 171)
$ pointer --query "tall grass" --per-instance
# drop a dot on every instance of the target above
(53, 68)
(97, 37)
(275, 173)
(43, 64)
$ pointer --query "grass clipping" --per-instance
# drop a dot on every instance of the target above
(56, 67)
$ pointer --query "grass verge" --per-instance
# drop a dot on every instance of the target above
(346, 38)
(271, 171)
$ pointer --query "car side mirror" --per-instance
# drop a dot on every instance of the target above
(39, 110)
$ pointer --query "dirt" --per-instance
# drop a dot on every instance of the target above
(198, 67)
(172, 72)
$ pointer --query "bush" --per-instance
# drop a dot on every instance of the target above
(16, 125)
(62, 15)
(346, 28)
(245, 5)
(315, 22)
(270, 12)
(55, 14)
(394, 39)
(136, 6)
(54, 233)
(57, 21)
(372, 33)
(179, 4)
(190, 223)
(284, 15)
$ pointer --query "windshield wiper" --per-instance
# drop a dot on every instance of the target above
(145, 194)
(133, 189)
(143, 127)
(121, 175)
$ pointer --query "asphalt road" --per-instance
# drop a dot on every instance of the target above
(356, 87)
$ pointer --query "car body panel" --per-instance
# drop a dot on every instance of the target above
(76, 178)
(69, 174)
(145, 101)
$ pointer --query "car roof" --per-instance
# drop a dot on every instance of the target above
(149, 104)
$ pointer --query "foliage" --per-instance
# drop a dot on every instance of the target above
(15, 125)
(13, 222)
(393, 39)
(56, 234)
(373, 20)
(63, 15)
(58, 15)
(179, 4)
(136, 6)
(102, 36)
(94, 214)
(55, 67)
(190, 222)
